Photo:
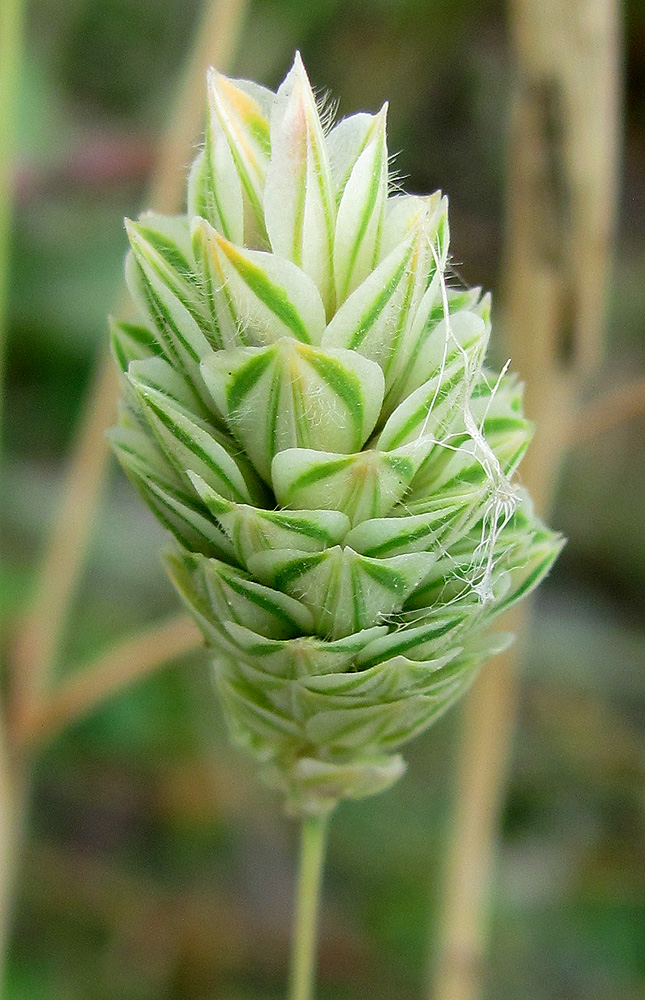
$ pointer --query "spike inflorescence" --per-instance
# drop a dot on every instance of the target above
(306, 409)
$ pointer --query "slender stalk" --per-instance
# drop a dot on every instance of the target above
(11, 44)
(305, 928)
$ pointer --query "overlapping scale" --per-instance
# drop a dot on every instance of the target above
(306, 409)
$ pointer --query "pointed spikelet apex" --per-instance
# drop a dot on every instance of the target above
(307, 410)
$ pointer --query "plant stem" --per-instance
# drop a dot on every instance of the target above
(36, 644)
(562, 167)
(39, 635)
(303, 953)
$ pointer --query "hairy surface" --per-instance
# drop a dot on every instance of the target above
(307, 410)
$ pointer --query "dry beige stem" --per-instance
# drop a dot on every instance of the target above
(561, 220)
(38, 638)
(39, 634)
(98, 681)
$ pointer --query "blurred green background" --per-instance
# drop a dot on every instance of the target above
(156, 867)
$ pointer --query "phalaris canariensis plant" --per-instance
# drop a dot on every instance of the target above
(307, 409)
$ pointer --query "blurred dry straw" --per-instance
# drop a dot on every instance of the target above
(561, 217)
(39, 636)
(33, 709)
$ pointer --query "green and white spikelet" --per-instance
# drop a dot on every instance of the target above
(306, 409)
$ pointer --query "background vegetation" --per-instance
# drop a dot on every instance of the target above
(155, 866)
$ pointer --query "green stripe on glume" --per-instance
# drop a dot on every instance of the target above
(273, 296)
(345, 384)
(246, 378)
